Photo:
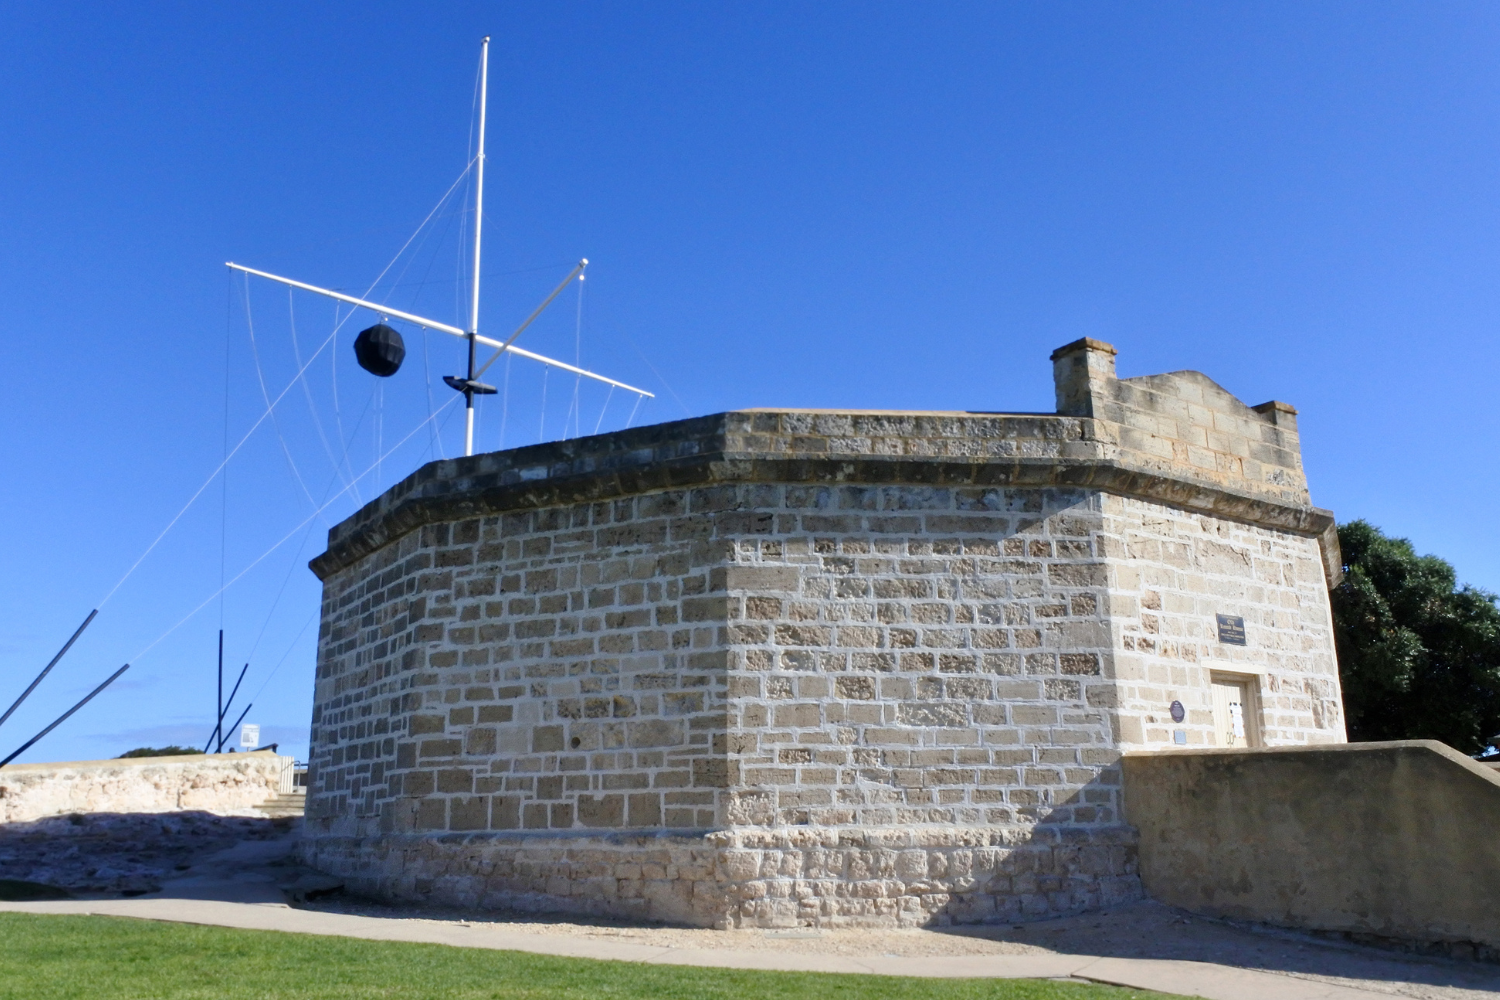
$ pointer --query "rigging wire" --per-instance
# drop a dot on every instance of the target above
(261, 378)
(310, 618)
(435, 443)
(287, 537)
(296, 639)
(296, 556)
(642, 355)
(211, 476)
(224, 483)
(505, 402)
(261, 419)
(541, 431)
(349, 443)
(291, 314)
(338, 420)
(435, 440)
(600, 422)
(637, 406)
(574, 410)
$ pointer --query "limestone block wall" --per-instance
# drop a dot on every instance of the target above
(919, 655)
(554, 669)
(922, 673)
(225, 784)
(919, 673)
(1170, 573)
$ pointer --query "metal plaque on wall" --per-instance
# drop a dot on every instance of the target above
(1231, 629)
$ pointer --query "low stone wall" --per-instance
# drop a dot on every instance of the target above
(750, 877)
(1395, 840)
(224, 784)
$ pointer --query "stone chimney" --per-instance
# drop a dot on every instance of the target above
(1081, 372)
(1283, 415)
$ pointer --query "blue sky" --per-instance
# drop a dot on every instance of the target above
(866, 205)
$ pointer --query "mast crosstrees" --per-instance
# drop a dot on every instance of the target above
(469, 384)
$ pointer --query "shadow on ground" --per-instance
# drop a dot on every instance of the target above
(104, 855)
(251, 860)
(1150, 930)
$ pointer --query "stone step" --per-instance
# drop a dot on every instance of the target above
(282, 806)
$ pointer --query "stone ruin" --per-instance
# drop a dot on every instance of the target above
(772, 668)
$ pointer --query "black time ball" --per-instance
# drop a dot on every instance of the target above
(380, 350)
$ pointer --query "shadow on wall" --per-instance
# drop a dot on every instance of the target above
(1377, 840)
(764, 876)
(1019, 874)
(1064, 852)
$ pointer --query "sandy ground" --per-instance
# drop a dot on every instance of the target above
(1143, 930)
(248, 861)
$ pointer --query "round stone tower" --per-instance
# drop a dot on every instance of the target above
(791, 667)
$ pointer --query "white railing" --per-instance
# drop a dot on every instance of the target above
(293, 777)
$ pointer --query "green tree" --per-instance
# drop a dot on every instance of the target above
(1419, 656)
(171, 751)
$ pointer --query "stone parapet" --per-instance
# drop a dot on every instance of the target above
(226, 784)
(814, 446)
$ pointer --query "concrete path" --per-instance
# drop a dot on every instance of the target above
(1144, 946)
(1202, 979)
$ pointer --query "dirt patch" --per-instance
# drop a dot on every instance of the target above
(120, 853)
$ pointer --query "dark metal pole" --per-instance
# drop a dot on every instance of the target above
(66, 646)
(469, 397)
(242, 716)
(219, 717)
(236, 689)
(232, 693)
(63, 718)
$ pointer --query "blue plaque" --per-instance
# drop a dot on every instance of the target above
(1231, 629)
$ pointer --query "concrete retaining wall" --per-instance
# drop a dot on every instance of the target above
(1399, 840)
(226, 784)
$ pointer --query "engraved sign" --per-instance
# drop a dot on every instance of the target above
(1231, 629)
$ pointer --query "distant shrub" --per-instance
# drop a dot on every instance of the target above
(173, 751)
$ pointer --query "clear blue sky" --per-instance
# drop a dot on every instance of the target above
(824, 205)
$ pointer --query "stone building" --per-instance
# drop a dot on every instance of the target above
(782, 667)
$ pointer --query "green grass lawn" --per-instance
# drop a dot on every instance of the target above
(107, 957)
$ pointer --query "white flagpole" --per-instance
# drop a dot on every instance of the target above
(501, 346)
(484, 86)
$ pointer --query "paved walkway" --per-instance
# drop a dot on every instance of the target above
(1193, 978)
(1217, 982)
(1145, 946)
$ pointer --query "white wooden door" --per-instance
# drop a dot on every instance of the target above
(1233, 726)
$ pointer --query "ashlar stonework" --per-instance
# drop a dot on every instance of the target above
(778, 667)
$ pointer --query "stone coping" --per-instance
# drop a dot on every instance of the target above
(729, 447)
(1489, 772)
(180, 758)
(757, 837)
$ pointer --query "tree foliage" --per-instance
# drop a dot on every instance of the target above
(171, 751)
(1419, 656)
